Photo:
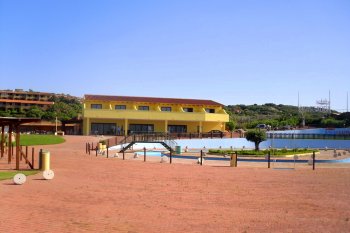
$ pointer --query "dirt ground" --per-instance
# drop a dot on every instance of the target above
(96, 194)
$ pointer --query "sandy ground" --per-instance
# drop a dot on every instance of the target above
(96, 194)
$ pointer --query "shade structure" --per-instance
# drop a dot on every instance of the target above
(14, 125)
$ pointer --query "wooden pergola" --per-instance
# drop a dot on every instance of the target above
(14, 124)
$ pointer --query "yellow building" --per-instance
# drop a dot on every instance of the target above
(120, 115)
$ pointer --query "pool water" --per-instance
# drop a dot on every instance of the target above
(151, 153)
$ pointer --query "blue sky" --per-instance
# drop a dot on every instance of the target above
(233, 52)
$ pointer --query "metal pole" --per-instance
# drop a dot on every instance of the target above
(56, 126)
(313, 160)
(96, 150)
(144, 154)
(123, 153)
(201, 157)
(171, 157)
(268, 159)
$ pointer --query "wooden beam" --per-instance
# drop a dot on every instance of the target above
(31, 165)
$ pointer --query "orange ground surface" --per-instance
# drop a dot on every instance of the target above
(96, 194)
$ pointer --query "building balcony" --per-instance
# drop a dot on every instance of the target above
(154, 115)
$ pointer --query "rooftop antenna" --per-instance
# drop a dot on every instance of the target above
(329, 101)
(324, 105)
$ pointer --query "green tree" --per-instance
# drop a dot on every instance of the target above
(256, 136)
(6, 113)
(35, 112)
(65, 108)
(60, 110)
(230, 126)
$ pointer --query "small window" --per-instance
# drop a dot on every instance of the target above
(143, 108)
(96, 106)
(120, 107)
(188, 109)
(210, 110)
(166, 109)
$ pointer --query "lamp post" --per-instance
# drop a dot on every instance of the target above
(56, 126)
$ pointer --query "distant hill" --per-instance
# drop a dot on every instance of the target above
(279, 116)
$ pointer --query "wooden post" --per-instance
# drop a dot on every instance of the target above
(17, 147)
(40, 159)
(89, 149)
(26, 153)
(123, 153)
(33, 157)
(96, 149)
(144, 154)
(10, 144)
(313, 160)
(21, 149)
(268, 159)
(236, 159)
(2, 140)
(201, 157)
(86, 148)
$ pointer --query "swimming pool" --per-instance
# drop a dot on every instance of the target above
(238, 143)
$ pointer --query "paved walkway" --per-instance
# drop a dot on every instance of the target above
(96, 194)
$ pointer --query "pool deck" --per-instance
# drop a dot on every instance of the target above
(96, 194)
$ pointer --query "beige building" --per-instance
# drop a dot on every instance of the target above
(24, 100)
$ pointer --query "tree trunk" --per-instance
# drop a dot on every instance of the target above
(257, 146)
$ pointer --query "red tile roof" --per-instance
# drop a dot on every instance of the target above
(151, 100)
